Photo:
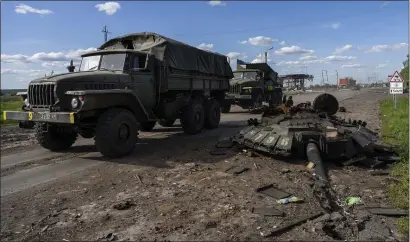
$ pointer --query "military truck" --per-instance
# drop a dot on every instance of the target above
(128, 84)
(253, 85)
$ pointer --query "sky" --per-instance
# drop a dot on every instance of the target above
(366, 39)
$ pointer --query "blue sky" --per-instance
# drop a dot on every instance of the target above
(358, 39)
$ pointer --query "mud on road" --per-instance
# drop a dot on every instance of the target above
(172, 188)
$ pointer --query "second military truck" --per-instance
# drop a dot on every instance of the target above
(253, 85)
(128, 84)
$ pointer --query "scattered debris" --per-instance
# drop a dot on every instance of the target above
(342, 109)
(44, 229)
(124, 205)
(236, 170)
(388, 211)
(291, 199)
(271, 191)
(139, 179)
(284, 170)
(286, 227)
(225, 143)
(353, 201)
(267, 212)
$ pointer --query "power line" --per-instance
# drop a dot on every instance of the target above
(344, 16)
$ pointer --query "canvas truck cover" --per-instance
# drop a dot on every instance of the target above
(176, 54)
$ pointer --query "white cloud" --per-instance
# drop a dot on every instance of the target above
(293, 50)
(233, 56)
(217, 3)
(8, 72)
(335, 25)
(380, 48)
(24, 9)
(46, 57)
(379, 66)
(259, 41)
(205, 46)
(18, 71)
(339, 58)
(308, 60)
(343, 49)
(109, 7)
(352, 66)
(261, 59)
(282, 43)
(308, 57)
(384, 4)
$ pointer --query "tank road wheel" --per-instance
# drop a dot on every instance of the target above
(166, 122)
(87, 133)
(192, 119)
(212, 114)
(147, 126)
(55, 138)
(116, 133)
(226, 108)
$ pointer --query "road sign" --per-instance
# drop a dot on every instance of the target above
(396, 84)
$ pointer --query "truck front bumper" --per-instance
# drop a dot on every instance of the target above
(238, 96)
(48, 117)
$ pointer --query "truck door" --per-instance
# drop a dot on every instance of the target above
(143, 81)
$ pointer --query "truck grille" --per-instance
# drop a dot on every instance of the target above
(236, 89)
(41, 95)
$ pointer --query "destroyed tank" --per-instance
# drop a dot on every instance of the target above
(312, 131)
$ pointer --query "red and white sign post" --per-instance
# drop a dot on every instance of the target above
(396, 86)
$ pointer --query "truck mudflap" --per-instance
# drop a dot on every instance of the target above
(48, 117)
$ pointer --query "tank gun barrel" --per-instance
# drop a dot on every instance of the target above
(313, 155)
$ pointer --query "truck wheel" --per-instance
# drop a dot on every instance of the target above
(226, 108)
(192, 119)
(212, 114)
(54, 138)
(116, 133)
(147, 126)
(167, 122)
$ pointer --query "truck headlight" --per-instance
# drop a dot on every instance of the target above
(26, 103)
(74, 102)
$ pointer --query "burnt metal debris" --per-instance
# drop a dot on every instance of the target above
(312, 131)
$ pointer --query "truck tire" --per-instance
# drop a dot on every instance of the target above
(226, 108)
(166, 122)
(54, 139)
(212, 114)
(147, 126)
(192, 119)
(116, 133)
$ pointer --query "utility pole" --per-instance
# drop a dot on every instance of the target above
(337, 78)
(266, 54)
(105, 31)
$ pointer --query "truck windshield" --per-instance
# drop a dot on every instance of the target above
(108, 62)
(250, 75)
(237, 74)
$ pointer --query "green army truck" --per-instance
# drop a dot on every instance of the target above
(128, 84)
(253, 85)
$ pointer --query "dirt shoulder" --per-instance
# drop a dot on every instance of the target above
(176, 190)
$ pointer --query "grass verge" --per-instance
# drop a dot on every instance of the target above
(9, 104)
(395, 129)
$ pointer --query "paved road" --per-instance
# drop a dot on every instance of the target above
(24, 170)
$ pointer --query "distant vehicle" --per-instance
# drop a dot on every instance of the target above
(355, 87)
(128, 84)
(252, 86)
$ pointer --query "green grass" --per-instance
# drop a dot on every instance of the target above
(395, 129)
(9, 103)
